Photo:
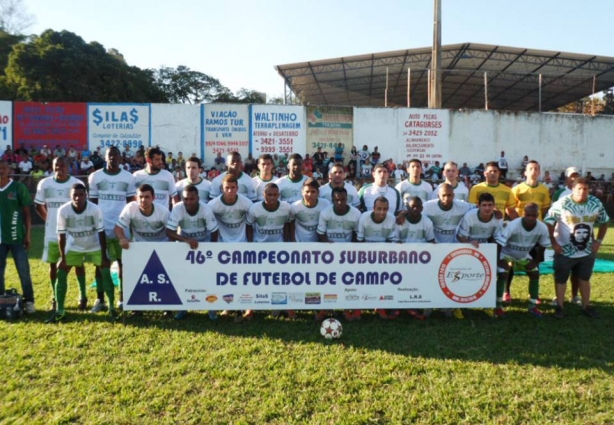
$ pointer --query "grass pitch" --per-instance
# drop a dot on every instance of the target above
(154, 370)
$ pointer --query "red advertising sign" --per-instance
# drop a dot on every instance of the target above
(51, 124)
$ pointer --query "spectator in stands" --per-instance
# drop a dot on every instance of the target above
(308, 165)
(87, 166)
(25, 166)
(46, 151)
(219, 162)
(464, 171)
(249, 165)
(318, 158)
(9, 156)
(503, 165)
(479, 169)
(351, 170)
(86, 152)
(72, 154)
(37, 173)
(181, 160)
(59, 151)
(364, 155)
(375, 156)
(354, 157)
(339, 153)
(97, 159)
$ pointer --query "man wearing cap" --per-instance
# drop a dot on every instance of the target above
(571, 174)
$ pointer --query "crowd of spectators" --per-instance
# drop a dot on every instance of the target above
(31, 162)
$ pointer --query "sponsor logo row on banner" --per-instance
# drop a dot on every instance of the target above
(223, 128)
(224, 276)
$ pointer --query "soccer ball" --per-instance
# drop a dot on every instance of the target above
(331, 329)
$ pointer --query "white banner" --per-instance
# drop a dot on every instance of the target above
(277, 129)
(226, 129)
(424, 134)
(307, 276)
(118, 125)
(6, 125)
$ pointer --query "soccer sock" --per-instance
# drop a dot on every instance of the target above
(500, 290)
(82, 290)
(61, 287)
(533, 292)
(107, 282)
(53, 283)
(99, 285)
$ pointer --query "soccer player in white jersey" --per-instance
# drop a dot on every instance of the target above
(306, 213)
(378, 226)
(162, 181)
(111, 189)
(416, 228)
(570, 222)
(51, 193)
(269, 221)
(370, 192)
(339, 221)
(336, 177)
(230, 210)
(291, 185)
(193, 167)
(192, 221)
(450, 172)
(265, 175)
(414, 185)
(480, 225)
(446, 214)
(144, 219)
(81, 237)
(517, 241)
(235, 167)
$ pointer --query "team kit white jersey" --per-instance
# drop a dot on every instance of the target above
(422, 190)
(290, 190)
(326, 192)
(144, 228)
(231, 218)
(203, 187)
(472, 227)
(111, 191)
(516, 241)
(445, 222)
(162, 182)
(370, 231)
(338, 228)
(306, 220)
(370, 192)
(269, 225)
(419, 232)
(574, 224)
(461, 193)
(259, 186)
(81, 229)
(198, 226)
(246, 186)
(53, 194)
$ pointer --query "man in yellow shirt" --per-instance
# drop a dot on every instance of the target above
(531, 191)
(504, 198)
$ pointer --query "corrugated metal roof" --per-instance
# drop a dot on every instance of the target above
(512, 74)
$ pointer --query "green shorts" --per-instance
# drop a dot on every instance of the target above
(76, 259)
(520, 265)
(51, 252)
(114, 250)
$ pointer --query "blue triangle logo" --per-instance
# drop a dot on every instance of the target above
(154, 286)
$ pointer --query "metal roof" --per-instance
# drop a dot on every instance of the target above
(512, 73)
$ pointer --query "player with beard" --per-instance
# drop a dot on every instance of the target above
(161, 180)
(336, 177)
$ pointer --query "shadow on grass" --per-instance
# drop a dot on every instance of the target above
(575, 342)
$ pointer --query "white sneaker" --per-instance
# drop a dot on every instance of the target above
(99, 306)
(29, 307)
(120, 305)
(554, 302)
(577, 300)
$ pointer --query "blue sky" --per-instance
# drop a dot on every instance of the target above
(240, 41)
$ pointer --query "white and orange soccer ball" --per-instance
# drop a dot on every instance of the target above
(331, 329)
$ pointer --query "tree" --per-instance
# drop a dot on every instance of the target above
(182, 85)
(587, 105)
(608, 102)
(61, 66)
(14, 18)
(242, 96)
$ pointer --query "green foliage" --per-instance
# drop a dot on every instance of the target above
(242, 96)
(608, 99)
(182, 85)
(153, 370)
(61, 66)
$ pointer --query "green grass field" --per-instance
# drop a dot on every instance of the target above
(519, 370)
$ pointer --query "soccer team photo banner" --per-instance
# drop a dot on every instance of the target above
(307, 276)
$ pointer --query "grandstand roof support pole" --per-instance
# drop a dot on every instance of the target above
(428, 89)
(486, 91)
(540, 92)
(435, 98)
(285, 93)
(594, 90)
(409, 87)
(386, 91)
